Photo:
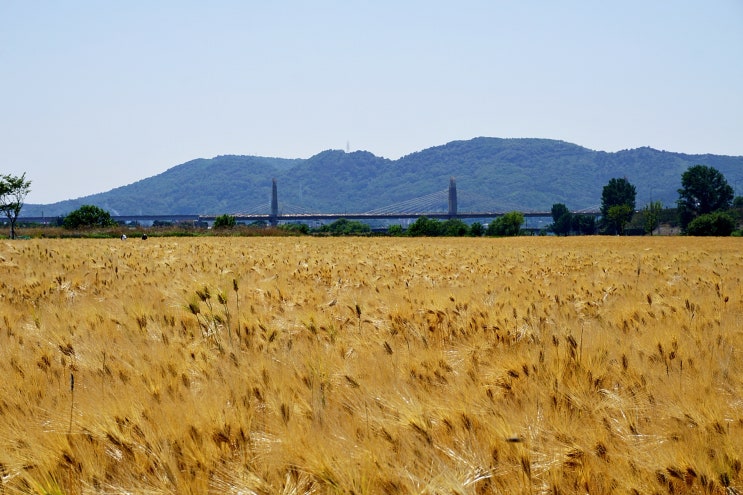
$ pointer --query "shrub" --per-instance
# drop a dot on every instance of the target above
(224, 222)
(344, 226)
(395, 230)
(711, 224)
(299, 228)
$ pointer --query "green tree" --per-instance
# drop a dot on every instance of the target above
(618, 218)
(13, 191)
(583, 224)
(224, 222)
(88, 216)
(507, 225)
(562, 219)
(344, 226)
(711, 224)
(424, 226)
(558, 210)
(477, 230)
(618, 192)
(651, 213)
(395, 230)
(703, 190)
(454, 227)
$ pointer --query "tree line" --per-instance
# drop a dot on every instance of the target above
(705, 207)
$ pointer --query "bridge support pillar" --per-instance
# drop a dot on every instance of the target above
(452, 198)
(274, 217)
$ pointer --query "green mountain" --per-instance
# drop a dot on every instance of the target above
(492, 174)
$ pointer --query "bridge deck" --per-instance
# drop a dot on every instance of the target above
(310, 216)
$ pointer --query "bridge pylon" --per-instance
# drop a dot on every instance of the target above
(452, 198)
(274, 216)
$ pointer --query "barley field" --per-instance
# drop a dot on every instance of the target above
(376, 365)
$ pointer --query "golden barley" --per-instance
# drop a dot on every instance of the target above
(529, 365)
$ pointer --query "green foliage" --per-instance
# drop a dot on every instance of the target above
(738, 202)
(562, 219)
(711, 224)
(507, 225)
(558, 210)
(618, 218)
(430, 227)
(651, 216)
(425, 227)
(666, 216)
(566, 223)
(618, 192)
(224, 222)
(477, 230)
(300, 228)
(13, 191)
(343, 226)
(454, 228)
(88, 216)
(395, 230)
(583, 224)
(703, 190)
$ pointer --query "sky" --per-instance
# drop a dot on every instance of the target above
(96, 95)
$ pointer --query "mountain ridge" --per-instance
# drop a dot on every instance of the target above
(492, 174)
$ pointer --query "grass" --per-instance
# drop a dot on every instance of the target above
(327, 365)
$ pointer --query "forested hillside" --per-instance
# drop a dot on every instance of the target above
(492, 174)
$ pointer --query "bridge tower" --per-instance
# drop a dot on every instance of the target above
(274, 216)
(452, 198)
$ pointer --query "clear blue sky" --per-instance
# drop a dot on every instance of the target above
(96, 94)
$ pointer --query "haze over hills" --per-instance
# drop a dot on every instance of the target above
(492, 174)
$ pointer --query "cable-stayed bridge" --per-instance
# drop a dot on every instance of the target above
(440, 205)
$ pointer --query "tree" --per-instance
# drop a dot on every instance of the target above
(507, 225)
(454, 227)
(224, 222)
(558, 210)
(618, 218)
(424, 226)
(477, 230)
(652, 216)
(88, 216)
(344, 226)
(583, 224)
(395, 230)
(703, 190)
(13, 191)
(617, 192)
(562, 219)
(711, 224)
